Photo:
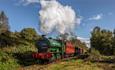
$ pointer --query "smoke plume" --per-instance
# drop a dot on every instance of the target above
(55, 16)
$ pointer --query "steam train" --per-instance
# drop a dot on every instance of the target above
(53, 49)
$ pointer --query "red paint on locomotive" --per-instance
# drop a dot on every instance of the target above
(69, 49)
(42, 55)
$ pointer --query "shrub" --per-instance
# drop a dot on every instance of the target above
(94, 55)
(7, 62)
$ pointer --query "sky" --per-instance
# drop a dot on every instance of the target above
(92, 13)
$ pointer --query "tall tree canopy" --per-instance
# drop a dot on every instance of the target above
(29, 34)
(102, 40)
(114, 42)
(3, 22)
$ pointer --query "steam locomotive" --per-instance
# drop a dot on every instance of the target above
(53, 49)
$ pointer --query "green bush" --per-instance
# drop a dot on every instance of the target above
(23, 48)
(7, 62)
(94, 55)
(102, 40)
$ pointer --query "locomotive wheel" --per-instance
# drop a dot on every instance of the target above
(43, 61)
(40, 61)
(58, 56)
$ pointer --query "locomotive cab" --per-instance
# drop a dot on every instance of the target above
(42, 46)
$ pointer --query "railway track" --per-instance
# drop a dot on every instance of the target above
(44, 66)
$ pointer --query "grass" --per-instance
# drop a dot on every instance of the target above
(11, 64)
(8, 61)
(77, 64)
(20, 49)
(74, 65)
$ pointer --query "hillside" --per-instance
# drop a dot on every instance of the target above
(72, 65)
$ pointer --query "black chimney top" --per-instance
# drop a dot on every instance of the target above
(50, 37)
(43, 35)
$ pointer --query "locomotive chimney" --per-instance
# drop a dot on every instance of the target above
(43, 36)
(50, 37)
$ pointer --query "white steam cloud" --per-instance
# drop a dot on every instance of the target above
(56, 17)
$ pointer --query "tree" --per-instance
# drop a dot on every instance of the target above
(5, 39)
(3, 23)
(80, 44)
(29, 34)
(106, 42)
(113, 42)
(101, 40)
(95, 38)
